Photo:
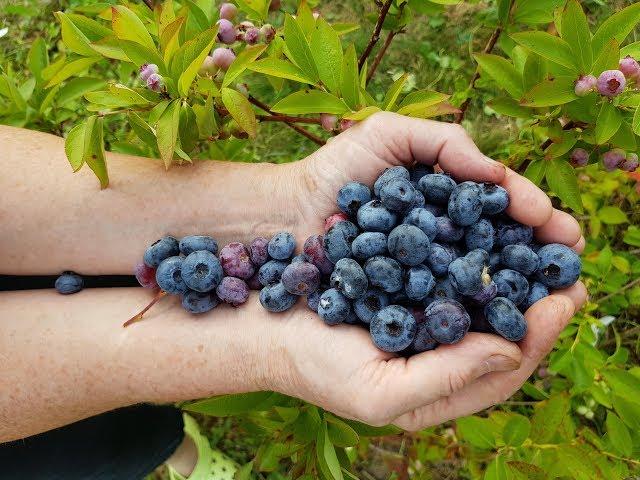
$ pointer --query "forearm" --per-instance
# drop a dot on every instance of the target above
(59, 220)
(66, 358)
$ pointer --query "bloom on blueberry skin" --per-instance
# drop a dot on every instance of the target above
(631, 163)
(226, 31)
(630, 67)
(223, 57)
(328, 121)
(155, 82)
(252, 36)
(613, 158)
(579, 157)
(585, 84)
(228, 11)
(208, 67)
(611, 83)
(146, 70)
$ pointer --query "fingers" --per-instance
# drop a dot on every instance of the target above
(576, 292)
(561, 228)
(579, 247)
(528, 204)
(545, 320)
(400, 140)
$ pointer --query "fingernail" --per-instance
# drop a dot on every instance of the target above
(502, 363)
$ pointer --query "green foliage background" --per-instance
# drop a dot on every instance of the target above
(579, 415)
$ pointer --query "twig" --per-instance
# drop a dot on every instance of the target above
(620, 290)
(380, 54)
(138, 317)
(288, 118)
(567, 126)
(488, 48)
(300, 130)
(375, 36)
(149, 3)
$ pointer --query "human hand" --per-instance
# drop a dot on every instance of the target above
(338, 367)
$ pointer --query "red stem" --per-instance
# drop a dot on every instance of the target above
(138, 316)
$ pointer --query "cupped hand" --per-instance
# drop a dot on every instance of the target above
(338, 367)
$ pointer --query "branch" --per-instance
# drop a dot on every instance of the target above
(488, 48)
(375, 36)
(149, 3)
(300, 130)
(288, 118)
(567, 126)
(380, 54)
(620, 290)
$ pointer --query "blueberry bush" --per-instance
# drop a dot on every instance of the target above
(549, 87)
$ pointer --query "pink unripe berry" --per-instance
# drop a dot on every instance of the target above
(223, 57)
(585, 84)
(611, 83)
(145, 275)
(579, 157)
(333, 219)
(228, 11)
(226, 31)
(613, 158)
(208, 67)
(275, 5)
(329, 122)
(155, 82)
(146, 70)
(346, 124)
(630, 67)
(631, 163)
(268, 32)
(246, 25)
(252, 36)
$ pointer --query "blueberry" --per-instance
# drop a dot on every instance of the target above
(480, 235)
(331, 220)
(511, 233)
(281, 246)
(398, 195)
(233, 290)
(169, 276)
(439, 258)
(418, 171)
(313, 299)
(348, 229)
(333, 307)
(418, 199)
(495, 199)
(418, 282)
(300, 258)
(314, 251)
(352, 196)
(160, 250)
(349, 278)
(506, 319)
(271, 272)
(436, 210)
(275, 298)
(479, 321)
(254, 282)
(537, 291)
(337, 241)
(146, 276)
(469, 274)
(193, 243)
(447, 321)
(301, 278)
(389, 174)
(478, 256)
(424, 220)
(408, 244)
(375, 217)
(520, 258)
(369, 304)
(512, 285)
(385, 273)
(423, 341)
(393, 328)
(465, 204)
(559, 266)
(201, 271)
(258, 251)
(494, 261)
(69, 283)
(199, 302)
(437, 188)
(448, 231)
(236, 262)
(369, 244)
(444, 289)
(487, 293)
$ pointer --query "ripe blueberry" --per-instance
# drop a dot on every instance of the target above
(331, 220)
(418, 282)
(537, 291)
(506, 319)
(69, 283)
(199, 302)
(447, 321)
(275, 298)
(334, 307)
(440, 256)
(465, 204)
(393, 328)
(169, 276)
(201, 271)
(424, 220)
(349, 278)
(559, 266)
(423, 341)
(520, 258)
(352, 196)
(511, 233)
(159, 250)
(389, 174)
(448, 231)
(193, 243)
(480, 235)
(397, 194)
(281, 246)
(512, 285)
(384, 273)
(369, 244)
(369, 304)
(337, 241)
(373, 216)
(408, 244)
(271, 272)
(301, 278)
(437, 188)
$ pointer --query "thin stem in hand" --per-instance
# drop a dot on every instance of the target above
(375, 36)
(139, 315)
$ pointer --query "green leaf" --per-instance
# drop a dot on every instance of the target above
(502, 72)
(608, 58)
(340, 433)
(343, 27)
(91, 28)
(9, 89)
(127, 26)
(617, 27)
(227, 405)
(205, 118)
(117, 96)
(305, 19)
(188, 133)
(547, 46)
(326, 454)
(628, 410)
(558, 148)
(350, 83)
(280, 68)
(635, 123)
(167, 133)
(200, 18)
(190, 57)
(497, 469)
(547, 418)
(244, 472)
(70, 69)
(625, 138)
(510, 107)
(37, 58)
(551, 92)
(516, 430)
(534, 71)
(527, 471)
(423, 97)
(503, 11)
(393, 92)
(94, 149)
(77, 87)
(619, 435)
(298, 48)
(633, 49)
(142, 129)
(623, 383)
(242, 61)
(612, 216)
(111, 47)
(362, 113)
(73, 38)
(561, 177)
(575, 31)
(365, 430)
(74, 146)
(241, 110)
(608, 122)
(311, 101)
(477, 431)
(327, 54)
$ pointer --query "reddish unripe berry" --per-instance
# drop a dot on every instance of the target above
(630, 67)
(233, 291)
(223, 57)
(268, 32)
(258, 252)
(145, 275)
(630, 164)
(252, 36)
(314, 251)
(613, 158)
(146, 70)
(275, 5)
(254, 283)
(244, 26)
(585, 84)
(346, 124)
(228, 11)
(579, 157)
(155, 82)
(235, 261)
(208, 67)
(329, 122)
(331, 220)
(226, 31)
(611, 83)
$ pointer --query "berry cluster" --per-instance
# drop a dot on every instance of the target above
(610, 83)
(611, 159)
